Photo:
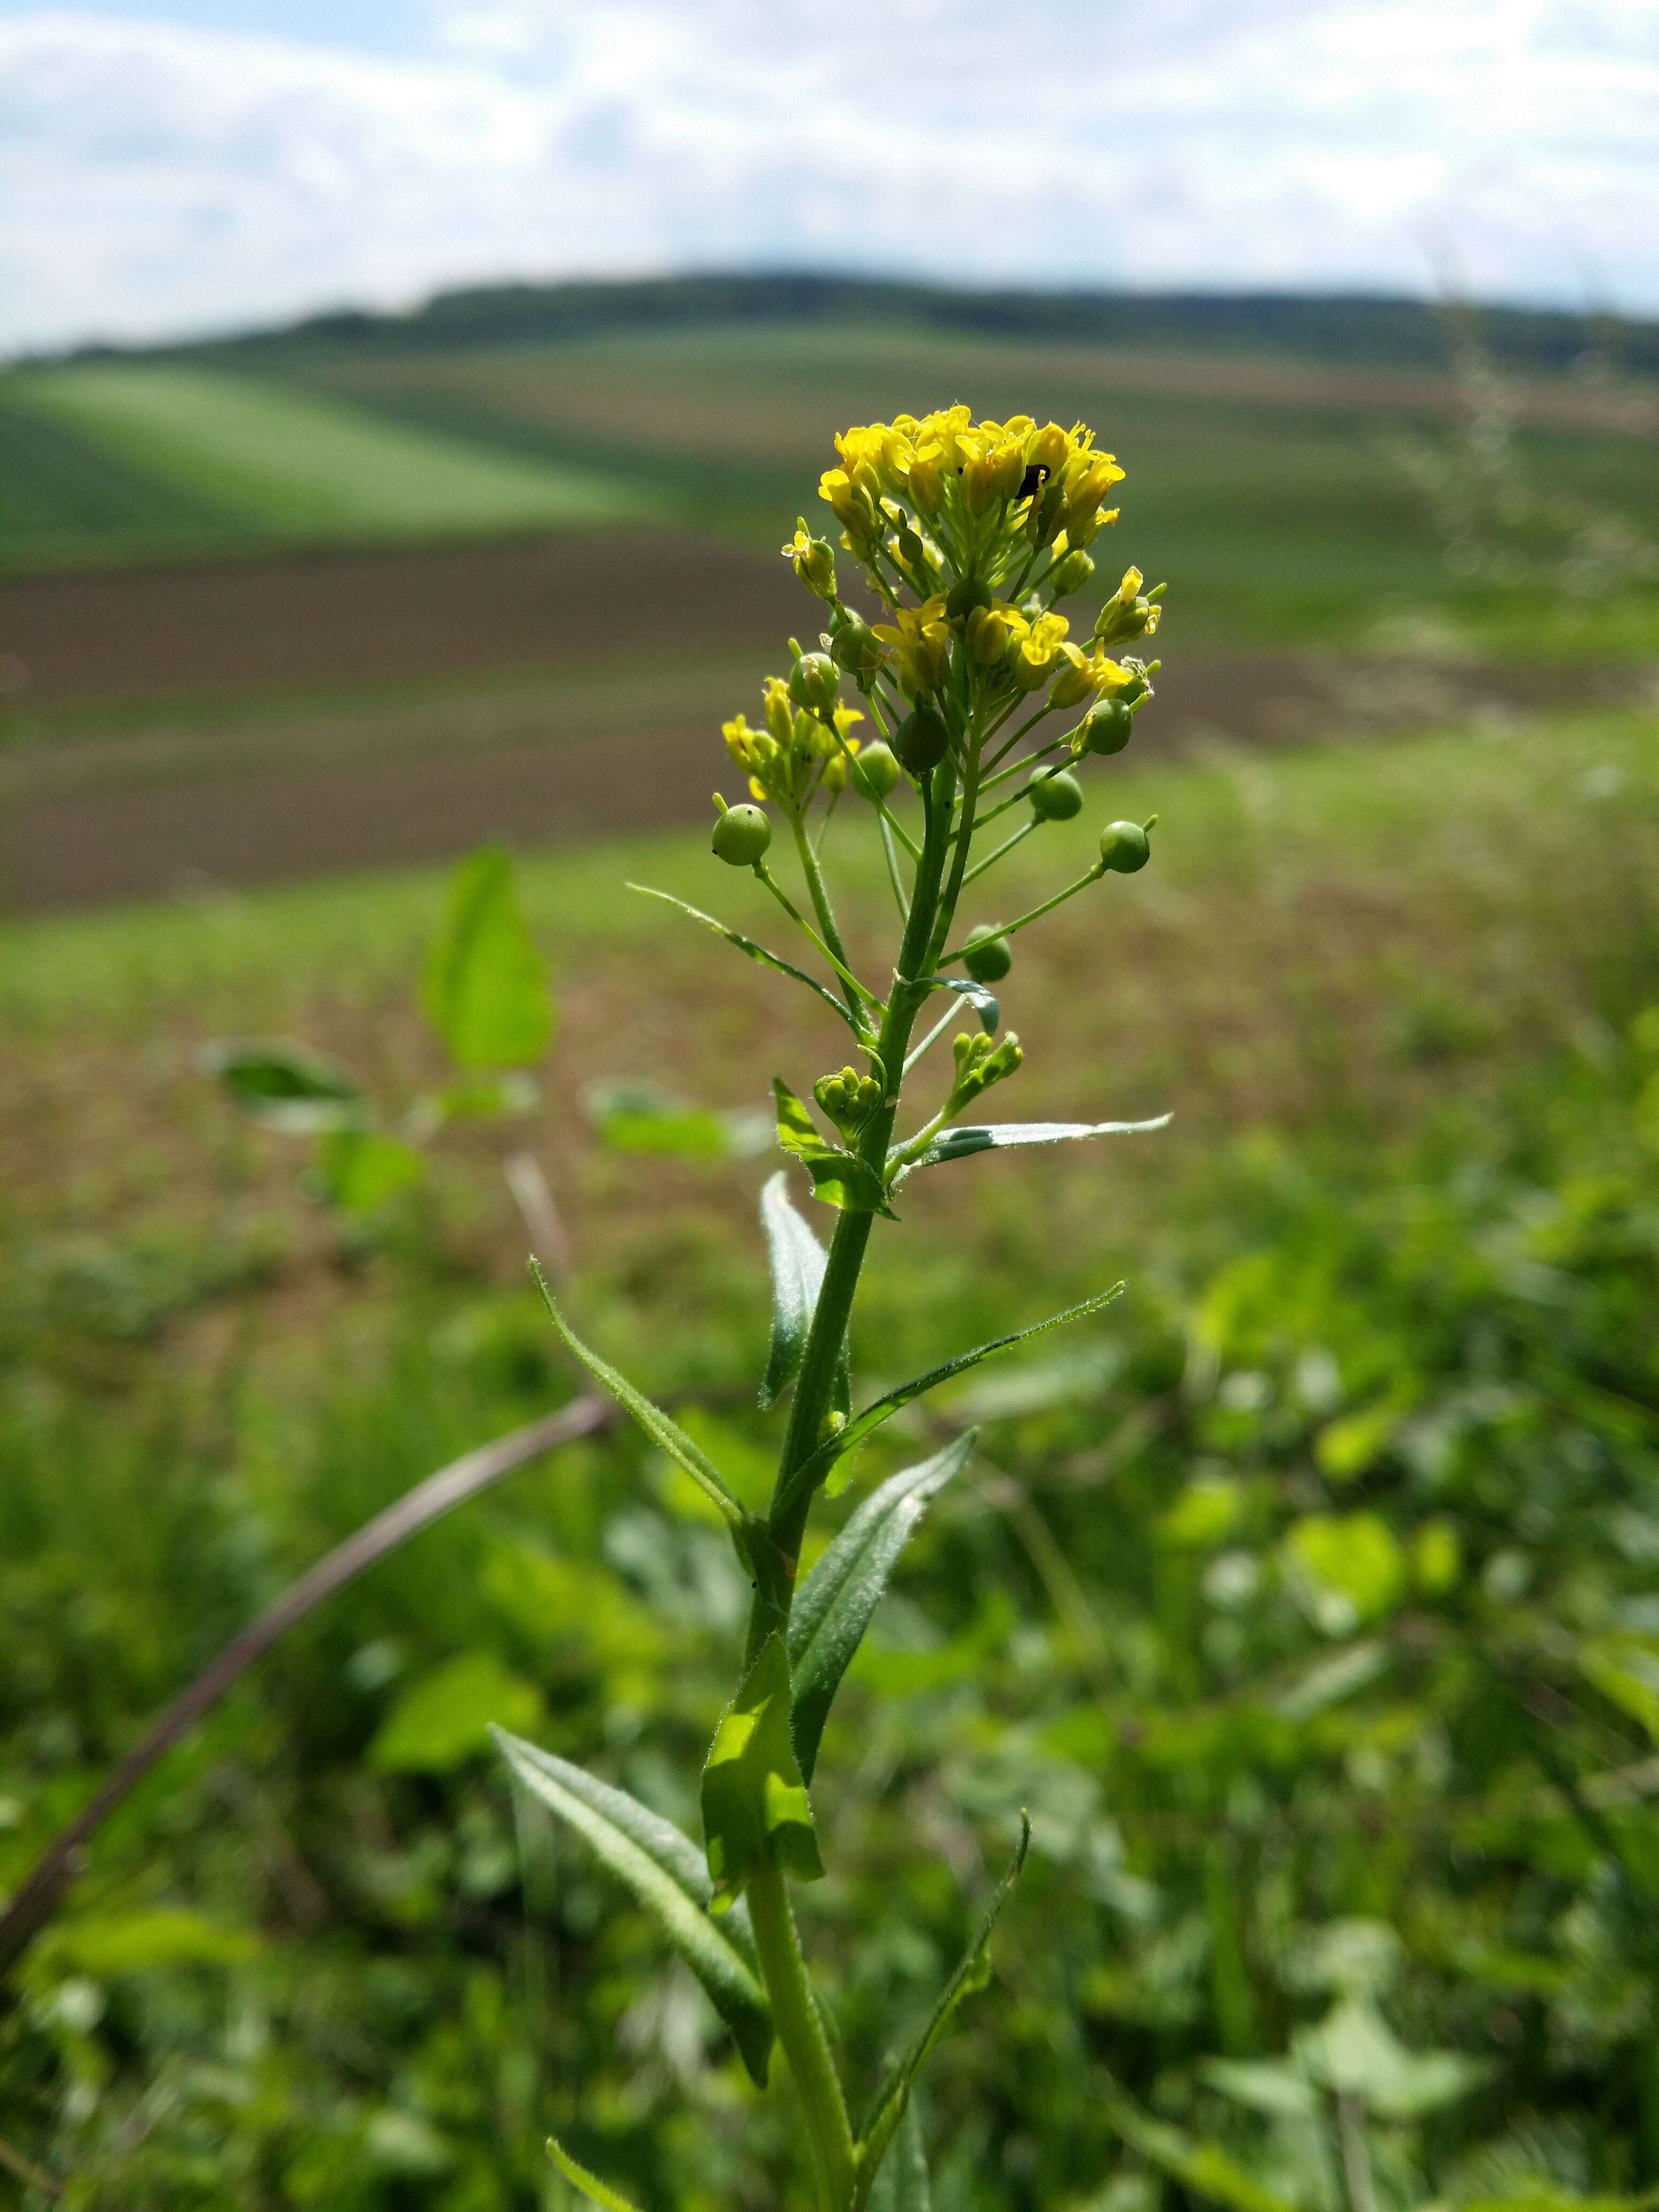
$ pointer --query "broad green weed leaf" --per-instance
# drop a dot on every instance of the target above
(666, 1434)
(665, 1871)
(444, 1717)
(958, 1144)
(589, 2184)
(755, 1811)
(359, 1169)
(834, 1605)
(755, 952)
(895, 2093)
(1351, 1567)
(901, 2183)
(640, 1117)
(286, 1087)
(819, 1467)
(1354, 2052)
(484, 990)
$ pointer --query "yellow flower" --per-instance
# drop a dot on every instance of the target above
(1034, 647)
(919, 638)
(815, 564)
(988, 632)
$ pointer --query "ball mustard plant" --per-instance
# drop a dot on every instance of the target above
(978, 701)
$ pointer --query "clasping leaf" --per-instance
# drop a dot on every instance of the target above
(755, 1811)
(797, 1264)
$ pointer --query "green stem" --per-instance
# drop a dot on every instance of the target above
(1006, 846)
(821, 906)
(800, 2030)
(1033, 914)
(851, 986)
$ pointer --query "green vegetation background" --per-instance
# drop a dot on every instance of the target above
(1313, 1583)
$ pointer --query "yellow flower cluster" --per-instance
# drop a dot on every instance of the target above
(1041, 485)
(797, 753)
(1031, 649)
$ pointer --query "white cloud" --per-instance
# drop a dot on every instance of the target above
(155, 178)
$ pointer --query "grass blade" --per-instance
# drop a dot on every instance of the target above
(595, 2191)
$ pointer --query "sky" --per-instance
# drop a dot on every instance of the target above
(175, 166)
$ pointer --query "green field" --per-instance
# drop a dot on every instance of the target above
(270, 463)
(1271, 484)
(1315, 1589)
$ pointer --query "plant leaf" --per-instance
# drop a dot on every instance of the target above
(814, 1469)
(901, 2183)
(286, 1087)
(839, 1177)
(1002, 1136)
(640, 1117)
(895, 2094)
(595, 2191)
(755, 1811)
(359, 1169)
(665, 1871)
(484, 990)
(834, 1605)
(983, 1002)
(798, 1263)
(1204, 2168)
(665, 1433)
(757, 952)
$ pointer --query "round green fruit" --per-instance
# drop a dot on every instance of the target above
(1108, 728)
(1124, 847)
(988, 955)
(922, 740)
(742, 835)
(1055, 797)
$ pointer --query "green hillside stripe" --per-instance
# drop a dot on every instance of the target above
(292, 463)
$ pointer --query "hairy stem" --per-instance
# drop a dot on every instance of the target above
(800, 2030)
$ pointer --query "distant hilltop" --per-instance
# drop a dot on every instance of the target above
(1352, 330)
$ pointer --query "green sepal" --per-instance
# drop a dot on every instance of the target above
(798, 1265)
(971, 1974)
(834, 1605)
(759, 952)
(839, 1177)
(666, 1434)
(666, 1873)
(587, 2185)
(821, 1465)
(755, 1811)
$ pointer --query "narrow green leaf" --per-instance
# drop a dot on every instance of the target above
(1002, 1136)
(595, 2191)
(286, 1087)
(665, 1872)
(815, 1469)
(983, 1002)
(895, 2094)
(484, 990)
(757, 952)
(665, 1433)
(798, 1132)
(834, 1605)
(1204, 2168)
(797, 1264)
(900, 2184)
(755, 1811)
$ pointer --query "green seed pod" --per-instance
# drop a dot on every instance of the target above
(1071, 573)
(874, 770)
(1055, 797)
(1106, 727)
(988, 955)
(813, 681)
(922, 740)
(1124, 847)
(742, 835)
(963, 598)
(855, 647)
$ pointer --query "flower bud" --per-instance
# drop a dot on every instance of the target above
(741, 836)
(1124, 847)
(988, 955)
(1106, 728)
(922, 740)
(848, 1098)
(815, 563)
(813, 681)
(1055, 796)
(1071, 572)
(875, 771)
(855, 647)
(965, 595)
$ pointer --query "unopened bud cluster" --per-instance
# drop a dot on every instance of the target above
(981, 1062)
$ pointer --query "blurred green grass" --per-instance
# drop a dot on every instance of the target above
(1395, 1259)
